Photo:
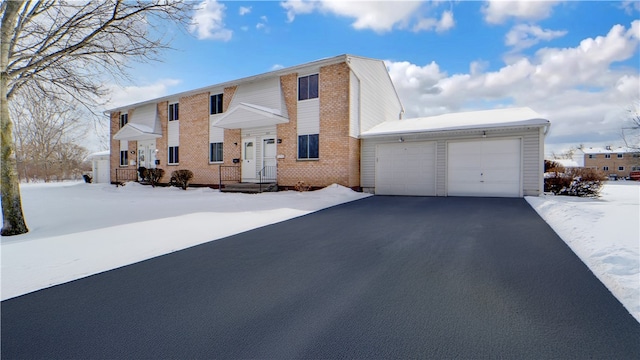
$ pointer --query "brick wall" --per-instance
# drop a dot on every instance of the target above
(194, 140)
(599, 162)
(339, 154)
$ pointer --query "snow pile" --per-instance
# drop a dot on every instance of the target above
(82, 229)
(604, 233)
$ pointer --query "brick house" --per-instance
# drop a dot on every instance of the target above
(617, 162)
(300, 123)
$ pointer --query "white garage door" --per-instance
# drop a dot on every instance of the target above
(406, 169)
(484, 168)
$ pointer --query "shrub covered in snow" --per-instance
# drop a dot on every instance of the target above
(150, 176)
(574, 182)
(181, 178)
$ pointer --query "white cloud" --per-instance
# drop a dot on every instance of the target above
(120, 96)
(578, 88)
(379, 16)
(244, 10)
(498, 11)
(276, 67)
(630, 6)
(523, 36)
(445, 23)
(208, 21)
(260, 26)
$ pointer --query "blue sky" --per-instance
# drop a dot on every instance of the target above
(575, 62)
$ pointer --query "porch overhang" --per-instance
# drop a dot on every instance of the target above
(136, 132)
(246, 115)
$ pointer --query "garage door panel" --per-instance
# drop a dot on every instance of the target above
(484, 168)
(405, 169)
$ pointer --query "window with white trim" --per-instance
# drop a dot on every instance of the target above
(619, 156)
(607, 156)
(124, 157)
(620, 168)
(592, 156)
(308, 146)
(605, 168)
(124, 119)
(173, 155)
(174, 112)
(215, 152)
(308, 87)
(215, 104)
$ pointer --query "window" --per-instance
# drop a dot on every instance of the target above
(215, 104)
(620, 168)
(636, 155)
(607, 156)
(592, 156)
(173, 155)
(215, 152)
(124, 119)
(308, 87)
(124, 157)
(619, 156)
(605, 168)
(308, 146)
(635, 168)
(173, 112)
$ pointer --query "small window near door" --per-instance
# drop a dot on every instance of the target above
(248, 150)
(124, 119)
(173, 155)
(215, 152)
(124, 157)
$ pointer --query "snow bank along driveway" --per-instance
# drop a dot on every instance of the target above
(604, 233)
(82, 229)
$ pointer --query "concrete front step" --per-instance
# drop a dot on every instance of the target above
(249, 188)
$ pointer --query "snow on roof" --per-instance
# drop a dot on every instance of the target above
(568, 163)
(605, 150)
(99, 153)
(509, 117)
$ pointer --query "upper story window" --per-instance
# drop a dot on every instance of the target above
(308, 87)
(607, 156)
(173, 112)
(215, 104)
(619, 156)
(592, 156)
(124, 119)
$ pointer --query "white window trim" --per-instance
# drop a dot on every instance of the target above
(169, 156)
(169, 111)
(216, 162)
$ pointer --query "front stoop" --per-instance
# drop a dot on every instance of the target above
(249, 188)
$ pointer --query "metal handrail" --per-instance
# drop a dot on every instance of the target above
(228, 173)
(123, 175)
(268, 172)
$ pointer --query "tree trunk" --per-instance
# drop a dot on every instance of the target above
(12, 217)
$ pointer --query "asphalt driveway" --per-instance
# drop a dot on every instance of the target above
(383, 277)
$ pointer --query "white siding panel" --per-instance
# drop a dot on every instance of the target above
(265, 93)
(354, 105)
(124, 145)
(441, 168)
(145, 115)
(378, 99)
(308, 117)
(173, 133)
(216, 134)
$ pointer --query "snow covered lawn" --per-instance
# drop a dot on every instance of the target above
(604, 233)
(82, 229)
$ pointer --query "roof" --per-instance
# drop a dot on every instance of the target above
(599, 150)
(279, 72)
(99, 154)
(485, 119)
(568, 163)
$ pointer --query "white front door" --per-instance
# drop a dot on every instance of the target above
(147, 154)
(269, 158)
(248, 159)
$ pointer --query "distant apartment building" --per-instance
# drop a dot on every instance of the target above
(618, 162)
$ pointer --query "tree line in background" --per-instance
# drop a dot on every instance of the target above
(47, 135)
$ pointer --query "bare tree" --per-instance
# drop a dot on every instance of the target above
(43, 129)
(66, 49)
